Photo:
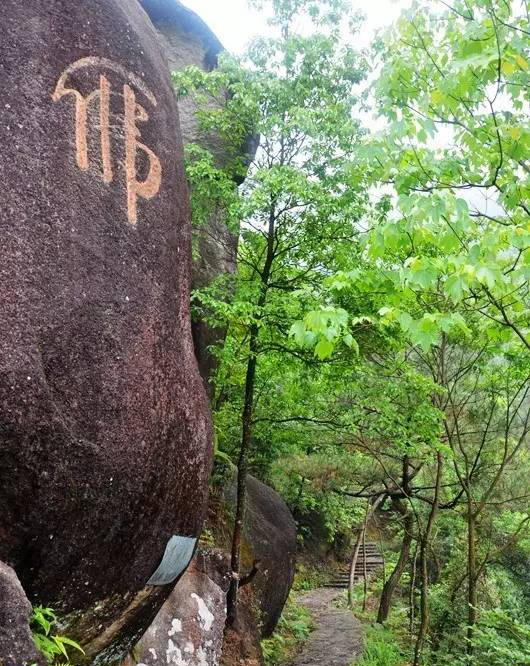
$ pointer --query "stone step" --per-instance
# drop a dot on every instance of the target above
(360, 565)
(342, 586)
(358, 572)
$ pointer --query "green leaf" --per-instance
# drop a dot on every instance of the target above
(454, 287)
(352, 343)
(323, 349)
(298, 331)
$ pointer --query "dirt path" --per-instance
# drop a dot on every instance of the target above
(337, 638)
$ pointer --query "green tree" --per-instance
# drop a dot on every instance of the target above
(295, 205)
(455, 91)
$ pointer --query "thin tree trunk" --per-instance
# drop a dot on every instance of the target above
(381, 547)
(424, 603)
(472, 576)
(404, 555)
(412, 593)
(353, 565)
(242, 471)
(247, 417)
(424, 545)
(365, 576)
(390, 585)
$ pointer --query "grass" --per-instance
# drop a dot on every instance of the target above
(381, 648)
(294, 627)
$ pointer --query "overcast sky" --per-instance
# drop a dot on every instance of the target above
(235, 24)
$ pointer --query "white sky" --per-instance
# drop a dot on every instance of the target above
(235, 24)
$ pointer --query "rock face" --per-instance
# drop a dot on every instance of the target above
(188, 629)
(16, 644)
(270, 537)
(186, 40)
(104, 426)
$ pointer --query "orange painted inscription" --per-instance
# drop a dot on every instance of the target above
(133, 113)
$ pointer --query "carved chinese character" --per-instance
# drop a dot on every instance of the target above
(133, 113)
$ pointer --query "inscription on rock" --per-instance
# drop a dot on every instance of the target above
(133, 113)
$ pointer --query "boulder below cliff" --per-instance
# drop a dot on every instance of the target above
(188, 629)
(269, 536)
(16, 643)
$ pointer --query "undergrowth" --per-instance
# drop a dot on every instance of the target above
(308, 578)
(53, 646)
(381, 648)
(294, 627)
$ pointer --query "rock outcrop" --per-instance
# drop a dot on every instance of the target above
(16, 643)
(179, 636)
(186, 40)
(269, 533)
(105, 436)
(188, 629)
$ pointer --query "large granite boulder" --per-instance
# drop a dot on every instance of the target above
(188, 629)
(269, 540)
(186, 40)
(105, 435)
(16, 643)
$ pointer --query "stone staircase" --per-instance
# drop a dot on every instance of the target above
(374, 560)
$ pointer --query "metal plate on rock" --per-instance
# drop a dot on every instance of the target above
(179, 551)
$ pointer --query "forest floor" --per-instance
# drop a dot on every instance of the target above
(337, 638)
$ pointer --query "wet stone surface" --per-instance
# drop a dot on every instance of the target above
(337, 638)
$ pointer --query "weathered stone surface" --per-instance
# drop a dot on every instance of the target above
(270, 537)
(188, 630)
(186, 40)
(16, 643)
(104, 427)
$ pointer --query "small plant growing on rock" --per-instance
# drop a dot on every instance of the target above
(53, 646)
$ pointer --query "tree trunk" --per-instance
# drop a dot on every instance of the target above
(393, 581)
(471, 576)
(247, 416)
(381, 546)
(365, 575)
(424, 604)
(353, 565)
(412, 592)
(242, 471)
